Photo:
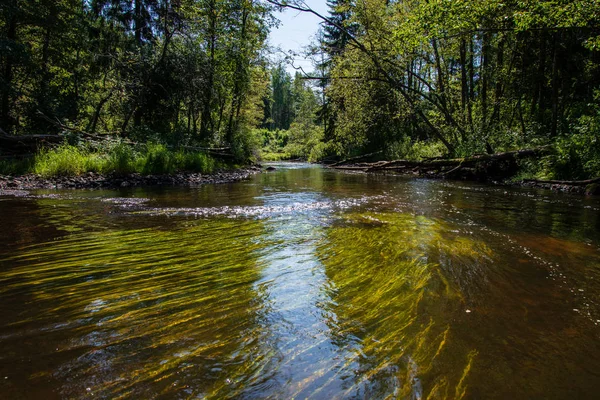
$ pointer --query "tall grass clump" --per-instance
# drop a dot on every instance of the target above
(195, 162)
(67, 160)
(16, 166)
(122, 159)
(158, 160)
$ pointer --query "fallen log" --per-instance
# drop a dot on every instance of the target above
(559, 182)
(352, 168)
(19, 144)
(361, 157)
(222, 152)
(17, 156)
(459, 162)
(478, 167)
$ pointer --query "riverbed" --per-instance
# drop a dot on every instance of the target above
(300, 283)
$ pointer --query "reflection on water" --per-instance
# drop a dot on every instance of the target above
(301, 283)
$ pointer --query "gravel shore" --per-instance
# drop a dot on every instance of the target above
(93, 180)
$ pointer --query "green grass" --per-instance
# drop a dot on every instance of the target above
(67, 160)
(16, 166)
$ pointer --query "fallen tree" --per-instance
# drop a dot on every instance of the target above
(26, 144)
(559, 182)
(478, 167)
(361, 157)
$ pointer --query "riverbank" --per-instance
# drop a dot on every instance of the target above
(591, 189)
(92, 180)
(507, 168)
(587, 188)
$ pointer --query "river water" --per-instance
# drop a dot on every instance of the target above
(301, 283)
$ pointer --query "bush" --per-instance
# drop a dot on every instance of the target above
(577, 157)
(427, 149)
(305, 141)
(246, 144)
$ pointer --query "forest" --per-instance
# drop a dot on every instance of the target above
(397, 79)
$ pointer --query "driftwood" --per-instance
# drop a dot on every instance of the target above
(569, 183)
(25, 144)
(463, 162)
(452, 162)
(482, 166)
(362, 157)
(222, 152)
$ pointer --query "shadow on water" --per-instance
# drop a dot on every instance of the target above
(301, 283)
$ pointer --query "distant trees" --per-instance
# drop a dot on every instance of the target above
(291, 111)
(180, 69)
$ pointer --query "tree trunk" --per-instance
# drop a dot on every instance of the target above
(137, 22)
(439, 72)
(463, 75)
(236, 102)
(539, 98)
(126, 122)
(5, 117)
(206, 122)
(45, 74)
(498, 89)
(555, 86)
(92, 125)
(485, 50)
(471, 85)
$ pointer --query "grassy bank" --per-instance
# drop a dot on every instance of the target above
(67, 160)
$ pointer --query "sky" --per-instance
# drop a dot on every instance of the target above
(296, 31)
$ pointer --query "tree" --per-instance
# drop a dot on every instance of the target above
(177, 71)
(474, 77)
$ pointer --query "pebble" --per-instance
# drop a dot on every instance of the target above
(93, 180)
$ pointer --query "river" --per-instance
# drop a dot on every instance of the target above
(300, 283)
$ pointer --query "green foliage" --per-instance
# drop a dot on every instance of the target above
(577, 156)
(431, 149)
(246, 145)
(276, 156)
(306, 142)
(158, 160)
(121, 159)
(177, 73)
(304, 138)
(195, 162)
(473, 77)
(67, 160)
(419, 150)
(16, 167)
(272, 144)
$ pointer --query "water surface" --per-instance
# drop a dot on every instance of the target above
(301, 283)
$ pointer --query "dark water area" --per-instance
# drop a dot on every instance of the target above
(301, 283)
